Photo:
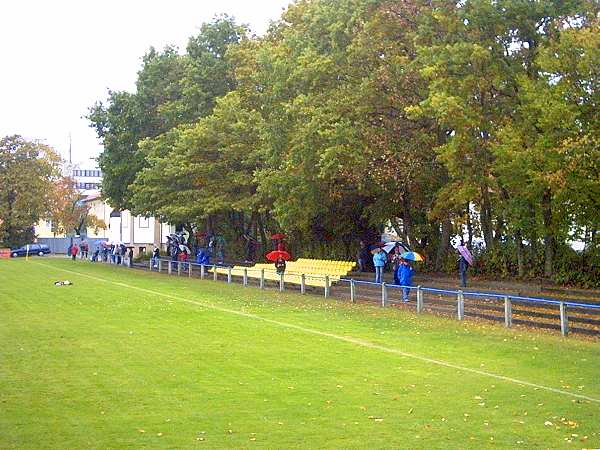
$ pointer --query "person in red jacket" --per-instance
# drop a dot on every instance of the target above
(74, 251)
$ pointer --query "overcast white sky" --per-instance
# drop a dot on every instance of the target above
(59, 57)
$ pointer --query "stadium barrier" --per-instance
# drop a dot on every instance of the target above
(325, 282)
(507, 301)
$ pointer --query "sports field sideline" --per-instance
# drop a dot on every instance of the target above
(128, 359)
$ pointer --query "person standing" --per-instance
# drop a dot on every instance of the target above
(280, 265)
(396, 258)
(220, 249)
(465, 260)
(379, 260)
(405, 274)
(362, 257)
(74, 251)
(84, 250)
(463, 265)
(155, 257)
(130, 256)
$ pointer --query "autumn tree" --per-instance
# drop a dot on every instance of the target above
(27, 173)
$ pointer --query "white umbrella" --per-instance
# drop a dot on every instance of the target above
(388, 247)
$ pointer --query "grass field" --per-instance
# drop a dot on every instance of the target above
(125, 359)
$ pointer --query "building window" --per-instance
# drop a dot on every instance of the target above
(144, 222)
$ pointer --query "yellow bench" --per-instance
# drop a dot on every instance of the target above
(314, 271)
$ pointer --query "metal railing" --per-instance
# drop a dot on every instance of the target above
(502, 302)
(507, 301)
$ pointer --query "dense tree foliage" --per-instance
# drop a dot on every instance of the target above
(444, 118)
(28, 171)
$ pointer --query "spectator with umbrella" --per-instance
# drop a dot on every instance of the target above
(464, 261)
(279, 257)
(406, 271)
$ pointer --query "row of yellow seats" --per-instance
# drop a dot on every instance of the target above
(272, 275)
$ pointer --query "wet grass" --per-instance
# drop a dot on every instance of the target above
(126, 359)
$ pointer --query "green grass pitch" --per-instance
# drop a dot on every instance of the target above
(125, 359)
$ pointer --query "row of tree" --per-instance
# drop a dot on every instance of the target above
(33, 187)
(437, 117)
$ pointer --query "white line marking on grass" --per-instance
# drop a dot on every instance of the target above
(346, 339)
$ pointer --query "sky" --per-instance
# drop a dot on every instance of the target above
(59, 57)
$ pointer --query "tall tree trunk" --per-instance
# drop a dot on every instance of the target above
(469, 227)
(263, 234)
(520, 256)
(444, 244)
(548, 233)
(486, 218)
(407, 222)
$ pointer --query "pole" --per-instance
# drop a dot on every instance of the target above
(262, 278)
(202, 269)
(383, 294)
(564, 319)
(326, 286)
(245, 276)
(461, 306)
(229, 275)
(303, 283)
(281, 282)
(507, 312)
(352, 291)
(419, 299)
(215, 275)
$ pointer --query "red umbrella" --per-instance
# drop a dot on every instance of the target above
(276, 254)
(278, 236)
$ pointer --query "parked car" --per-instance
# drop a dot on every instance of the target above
(34, 249)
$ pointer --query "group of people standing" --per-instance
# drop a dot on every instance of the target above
(115, 253)
(402, 268)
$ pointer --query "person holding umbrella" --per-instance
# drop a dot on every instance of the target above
(464, 261)
(406, 271)
(279, 257)
(280, 265)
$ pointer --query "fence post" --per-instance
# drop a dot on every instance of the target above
(461, 305)
(170, 267)
(262, 278)
(215, 274)
(303, 284)
(507, 312)
(190, 270)
(150, 265)
(419, 300)
(159, 265)
(229, 275)
(202, 271)
(352, 291)
(245, 276)
(564, 319)
(384, 294)
(179, 268)
(326, 286)
(281, 282)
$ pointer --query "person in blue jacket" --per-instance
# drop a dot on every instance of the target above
(405, 273)
(203, 257)
(379, 260)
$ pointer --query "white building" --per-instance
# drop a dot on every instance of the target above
(141, 233)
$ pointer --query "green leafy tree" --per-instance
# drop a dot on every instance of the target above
(27, 173)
